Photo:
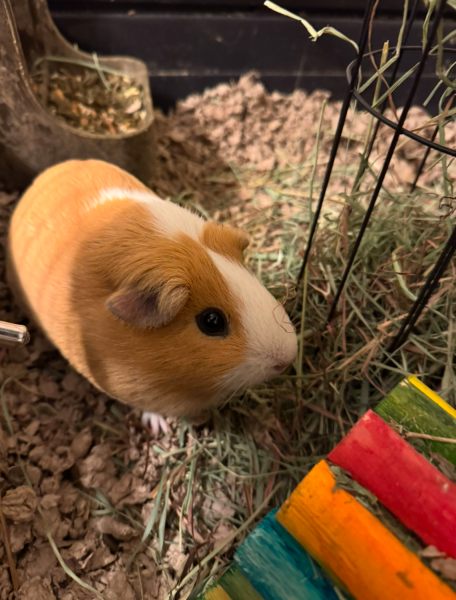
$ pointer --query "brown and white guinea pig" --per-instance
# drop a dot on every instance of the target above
(144, 298)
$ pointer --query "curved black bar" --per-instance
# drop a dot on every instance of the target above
(417, 138)
(398, 129)
(338, 134)
(392, 79)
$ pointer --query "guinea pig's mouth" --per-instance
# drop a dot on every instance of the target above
(250, 375)
(280, 367)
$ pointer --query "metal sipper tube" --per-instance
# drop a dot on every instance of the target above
(13, 335)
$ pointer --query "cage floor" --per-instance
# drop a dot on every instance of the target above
(132, 517)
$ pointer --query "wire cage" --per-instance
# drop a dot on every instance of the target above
(417, 70)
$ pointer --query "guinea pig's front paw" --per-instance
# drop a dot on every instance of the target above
(155, 423)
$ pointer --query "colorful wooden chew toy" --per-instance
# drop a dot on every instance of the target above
(324, 538)
(425, 504)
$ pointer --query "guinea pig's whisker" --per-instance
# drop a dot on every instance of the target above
(280, 323)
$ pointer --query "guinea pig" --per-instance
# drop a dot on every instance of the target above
(146, 299)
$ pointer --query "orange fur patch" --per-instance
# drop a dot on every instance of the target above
(227, 241)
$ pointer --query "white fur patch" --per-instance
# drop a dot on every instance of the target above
(271, 338)
(172, 219)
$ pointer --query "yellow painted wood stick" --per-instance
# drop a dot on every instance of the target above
(432, 395)
(216, 593)
(350, 543)
(232, 585)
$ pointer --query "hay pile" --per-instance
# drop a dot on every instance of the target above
(132, 518)
(89, 99)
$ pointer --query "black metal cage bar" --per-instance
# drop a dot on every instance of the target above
(398, 128)
(340, 126)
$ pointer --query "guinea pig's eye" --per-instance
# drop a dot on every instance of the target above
(212, 322)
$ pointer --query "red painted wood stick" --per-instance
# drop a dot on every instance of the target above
(404, 481)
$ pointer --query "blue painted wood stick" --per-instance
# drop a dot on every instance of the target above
(278, 567)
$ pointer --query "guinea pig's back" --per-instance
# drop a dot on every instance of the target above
(46, 231)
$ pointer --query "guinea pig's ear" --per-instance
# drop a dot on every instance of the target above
(148, 308)
(242, 238)
(228, 241)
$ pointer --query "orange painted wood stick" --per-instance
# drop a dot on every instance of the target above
(350, 543)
